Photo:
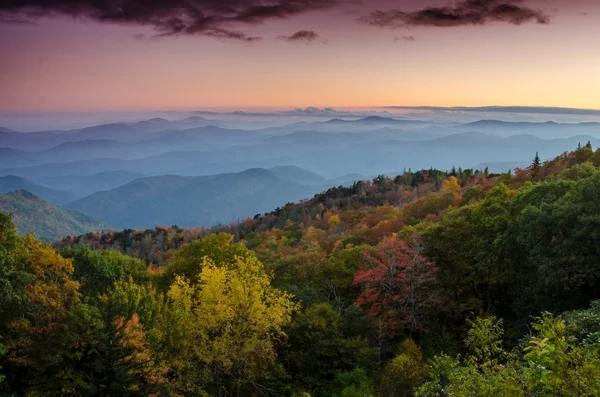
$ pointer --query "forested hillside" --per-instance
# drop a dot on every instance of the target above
(50, 222)
(460, 283)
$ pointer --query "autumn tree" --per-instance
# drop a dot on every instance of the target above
(451, 184)
(399, 285)
(47, 301)
(32, 335)
(217, 247)
(232, 319)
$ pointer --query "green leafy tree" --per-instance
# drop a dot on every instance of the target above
(97, 271)
(13, 271)
(317, 350)
(355, 383)
(188, 260)
(405, 372)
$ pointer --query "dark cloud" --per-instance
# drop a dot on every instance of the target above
(407, 39)
(304, 36)
(466, 12)
(214, 18)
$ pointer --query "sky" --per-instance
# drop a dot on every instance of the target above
(131, 55)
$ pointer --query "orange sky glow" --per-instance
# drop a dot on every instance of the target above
(63, 64)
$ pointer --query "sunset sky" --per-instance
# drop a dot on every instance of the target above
(72, 56)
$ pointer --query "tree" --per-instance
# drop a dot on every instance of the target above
(142, 374)
(47, 302)
(355, 383)
(2, 353)
(233, 319)
(33, 337)
(537, 162)
(317, 350)
(97, 271)
(405, 372)
(13, 273)
(556, 228)
(451, 184)
(399, 285)
(556, 361)
(217, 247)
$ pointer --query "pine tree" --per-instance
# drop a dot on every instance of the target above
(536, 162)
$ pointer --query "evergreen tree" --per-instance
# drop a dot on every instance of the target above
(536, 162)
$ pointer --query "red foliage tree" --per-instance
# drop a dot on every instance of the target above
(399, 285)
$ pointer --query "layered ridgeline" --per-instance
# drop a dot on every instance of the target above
(49, 222)
(199, 172)
(73, 160)
(199, 201)
(430, 283)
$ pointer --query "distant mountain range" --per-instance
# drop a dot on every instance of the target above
(198, 201)
(196, 171)
(49, 222)
(80, 186)
(330, 154)
(126, 132)
(546, 130)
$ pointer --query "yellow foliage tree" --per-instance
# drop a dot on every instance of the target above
(234, 319)
(334, 220)
(451, 184)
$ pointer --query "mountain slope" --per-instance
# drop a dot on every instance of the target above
(49, 222)
(81, 186)
(10, 183)
(193, 201)
(297, 174)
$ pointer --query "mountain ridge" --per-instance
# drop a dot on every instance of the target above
(49, 222)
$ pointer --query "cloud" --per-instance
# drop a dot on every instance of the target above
(310, 111)
(466, 12)
(15, 20)
(140, 36)
(407, 39)
(304, 36)
(214, 18)
(504, 109)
